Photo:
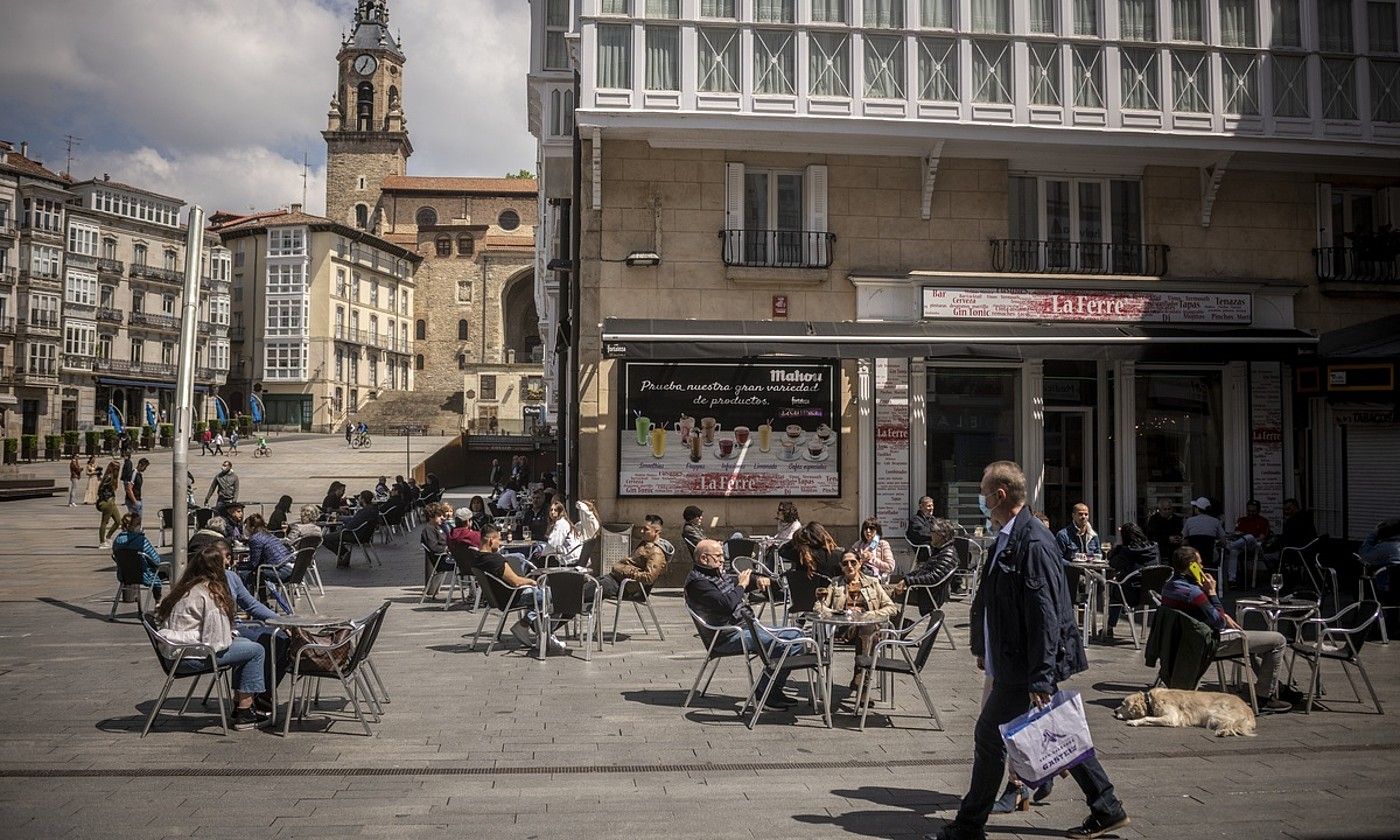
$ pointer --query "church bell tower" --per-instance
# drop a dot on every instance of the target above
(366, 132)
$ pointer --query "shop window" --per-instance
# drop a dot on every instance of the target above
(973, 416)
(1180, 438)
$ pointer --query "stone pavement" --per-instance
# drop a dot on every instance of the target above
(508, 746)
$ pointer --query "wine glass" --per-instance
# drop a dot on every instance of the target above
(1276, 583)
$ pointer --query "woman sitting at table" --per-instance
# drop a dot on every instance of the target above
(480, 516)
(563, 537)
(306, 526)
(132, 538)
(1134, 550)
(334, 503)
(876, 556)
(814, 550)
(788, 523)
(264, 549)
(277, 522)
(858, 594)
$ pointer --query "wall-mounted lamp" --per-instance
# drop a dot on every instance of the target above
(643, 258)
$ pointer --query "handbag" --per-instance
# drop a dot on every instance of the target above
(322, 660)
(1049, 740)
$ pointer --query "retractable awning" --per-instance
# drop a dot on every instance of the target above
(642, 339)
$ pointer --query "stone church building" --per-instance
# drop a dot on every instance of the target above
(477, 353)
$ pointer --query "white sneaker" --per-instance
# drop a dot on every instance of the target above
(107, 544)
(555, 645)
(521, 631)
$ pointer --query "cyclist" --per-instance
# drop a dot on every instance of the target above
(262, 451)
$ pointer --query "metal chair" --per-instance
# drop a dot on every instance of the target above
(363, 539)
(888, 666)
(312, 542)
(971, 556)
(463, 557)
(295, 583)
(167, 523)
(1232, 647)
(1130, 612)
(1338, 638)
(632, 590)
(566, 591)
(380, 696)
(801, 591)
(358, 643)
(443, 567)
(736, 547)
(710, 635)
(501, 597)
(204, 657)
(761, 599)
(1366, 590)
(131, 568)
(930, 591)
(810, 662)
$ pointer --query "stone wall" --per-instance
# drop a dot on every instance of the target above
(349, 158)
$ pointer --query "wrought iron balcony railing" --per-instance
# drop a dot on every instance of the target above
(1058, 256)
(1345, 262)
(777, 248)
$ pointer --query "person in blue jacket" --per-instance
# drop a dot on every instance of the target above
(1078, 537)
(133, 538)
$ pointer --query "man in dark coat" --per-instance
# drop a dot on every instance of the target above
(1025, 638)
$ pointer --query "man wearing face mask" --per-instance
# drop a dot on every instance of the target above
(225, 484)
(1025, 638)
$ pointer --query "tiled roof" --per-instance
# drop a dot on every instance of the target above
(419, 183)
(269, 217)
(20, 164)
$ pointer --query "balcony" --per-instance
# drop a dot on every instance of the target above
(143, 368)
(72, 361)
(39, 279)
(40, 326)
(9, 274)
(353, 335)
(79, 310)
(87, 261)
(109, 315)
(7, 326)
(215, 287)
(235, 333)
(37, 376)
(7, 229)
(1030, 256)
(777, 248)
(158, 275)
(1348, 263)
(208, 374)
(159, 322)
(109, 266)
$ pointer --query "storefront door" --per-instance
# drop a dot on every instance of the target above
(1069, 461)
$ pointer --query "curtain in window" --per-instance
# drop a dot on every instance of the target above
(991, 16)
(1286, 31)
(773, 62)
(1086, 17)
(717, 8)
(884, 67)
(1137, 20)
(1138, 79)
(1190, 82)
(663, 58)
(1088, 77)
(718, 60)
(1380, 26)
(615, 7)
(1385, 91)
(773, 11)
(614, 56)
(829, 11)
(938, 69)
(991, 71)
(1186, 20)
(663, 8)
(1334, 25)
(1290, 86)
(1023, 213)
(1043, 15)
(887, 14)
(556, 13)
(936, 14)
(1237, 23)
(1045, 74)
(1239, 81)
(829, 64)
(1339, 88)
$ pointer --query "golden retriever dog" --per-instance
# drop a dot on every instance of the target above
(1224, 714)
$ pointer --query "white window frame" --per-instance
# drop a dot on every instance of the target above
(80, 288)
(1385, 92)
(825, 64)
(79, 338)
(1044, 70)
(938, 69)
(286, 242)
(82, 239)
(1088, 76)
(1191, 81)
(774, 62)
(994, 88)
(1147, 76)
(1290, 87)
(1339, 101)
(1239, 83)
(717, 52)
(284, 361)
(883, 60)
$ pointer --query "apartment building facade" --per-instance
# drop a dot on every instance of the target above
(1096, 236)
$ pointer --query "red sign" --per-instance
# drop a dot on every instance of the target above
(780, 306)
(1086, 306)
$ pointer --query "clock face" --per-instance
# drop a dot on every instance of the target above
(365, 64)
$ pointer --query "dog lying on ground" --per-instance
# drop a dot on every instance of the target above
(1224, 714)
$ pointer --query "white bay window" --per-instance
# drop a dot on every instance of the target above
(829, 64)
(1045, 74)
(774, 62)
(884, 67)
(1339, 88)
(1088, 77)
(1138, 79)
(614, 56)
(663, 71)
(1137, 20)
(1190, 82)
(1239, 83)
(774, 11)
(1290, 81)
(938, 69)
(991, 72)
(884, 14)
(717, 55)
(936, 14)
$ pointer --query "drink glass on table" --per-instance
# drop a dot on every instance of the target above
(525, 534)
(741, 435)
(708, 427)
(1276, 583)
(726, 447)
(695, 448)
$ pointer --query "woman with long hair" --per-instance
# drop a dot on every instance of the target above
(277, 522)
(563, 537)
(200, 608)
(94, 478)
(480, 515)
(788, 523)
(107, 504)
(133, 538)
(814, 550)
(876, 556)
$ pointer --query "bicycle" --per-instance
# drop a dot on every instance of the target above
(362, 441)
(262, 451)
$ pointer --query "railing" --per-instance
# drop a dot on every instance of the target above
(502, 426)
(160, 322)
(38, 277)
(1345, 262)
(160, 275)
(777, 248)
(235, 333)
(110, 266)
(106, 313)
(124, 366)
(206, 374)
(7, 325)
(1058, 256)
(40, 324)
(9, 274)
(6, 228)
(73, 306)
(76, 260)
(72, 361)
(218, 287)
(43, 374)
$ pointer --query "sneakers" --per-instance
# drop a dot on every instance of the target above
(105, 544)
(244, 719)
(1097, 826)
(555, 646)
(521, 631)
(1274, 706)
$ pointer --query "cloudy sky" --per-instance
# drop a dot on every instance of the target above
(215, 101)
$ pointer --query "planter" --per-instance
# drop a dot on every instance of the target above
(167, 434)
(93, 442)
(245, 426)
(70, 442)
(53, 446)
(201, 426)
(11, 450)
(109, 440)
(29, 447)
(148, 437)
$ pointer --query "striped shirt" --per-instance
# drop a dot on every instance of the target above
(1182, 593)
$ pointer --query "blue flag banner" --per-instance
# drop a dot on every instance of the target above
(220, 409)
(115, 418)
(150, 415)
(255, 408)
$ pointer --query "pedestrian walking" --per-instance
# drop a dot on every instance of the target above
(133, 487)
(219, 442)
(1025, 638)
(225, 484)
(75, 479)
(107, 504)
(233, 442)
(205, 438)
(349, 434)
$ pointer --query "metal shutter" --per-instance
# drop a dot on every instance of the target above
(1373, 477)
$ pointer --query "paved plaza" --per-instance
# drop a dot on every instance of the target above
(511, 747)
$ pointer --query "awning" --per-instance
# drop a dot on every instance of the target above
(642, 339)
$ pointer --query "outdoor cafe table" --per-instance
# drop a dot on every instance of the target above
(1295, 609)
(287, 622)
(1096, 576)
(824, 631)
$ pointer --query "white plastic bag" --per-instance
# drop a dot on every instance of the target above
(1049, 740)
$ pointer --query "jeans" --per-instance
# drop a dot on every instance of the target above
(73, 496)
(248, 658)
(775, 644)
(1005, 703)
(1264, 645)
(262, 634)
(1245, 544)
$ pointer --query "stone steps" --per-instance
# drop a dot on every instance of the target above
(439, 411)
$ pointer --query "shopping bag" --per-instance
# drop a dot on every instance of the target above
(1049, 740)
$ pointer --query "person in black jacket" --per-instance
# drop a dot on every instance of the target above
(1025, 638)
(933, 567)
(1134, 550)
(361, 523)
(920, 530)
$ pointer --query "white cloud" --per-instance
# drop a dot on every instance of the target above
(216, 100)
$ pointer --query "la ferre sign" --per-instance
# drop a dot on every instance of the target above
(1019, 305)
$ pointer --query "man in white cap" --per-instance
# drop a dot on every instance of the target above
(462, 533)
(1201, 524)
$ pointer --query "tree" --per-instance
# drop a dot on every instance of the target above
(521, 174)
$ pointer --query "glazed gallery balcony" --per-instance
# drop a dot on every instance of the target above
(1059, 256)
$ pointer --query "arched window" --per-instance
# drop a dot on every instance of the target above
(362, 216)
(364, 107)
(465, 246)
(508, 220)
(393, 97)
(462, 330)
(426, 217)
(444, 246)
(461, 361)
(420, 333)
(418, 360)
(554, 113)
(568, 122)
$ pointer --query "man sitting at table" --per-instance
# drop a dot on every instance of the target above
(645, 565)
(1203, 604)
(1078, 537)
(491, 560)
(233, 518)
(1253, 530)
(692, 531)
(1164, 527)
(720, 599)
(360, 524)
(920, 530)
(463, 533)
